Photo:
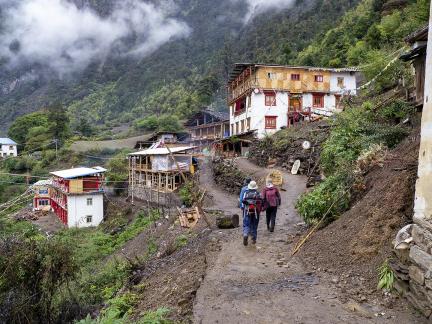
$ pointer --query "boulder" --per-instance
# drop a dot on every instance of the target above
(227, 222)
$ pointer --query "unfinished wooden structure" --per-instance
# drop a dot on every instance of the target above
(159, 169)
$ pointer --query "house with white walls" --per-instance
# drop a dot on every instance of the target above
(42, 199)
(77, 196)
(8, 147)
(265, 98)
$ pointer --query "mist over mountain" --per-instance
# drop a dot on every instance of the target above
(116, 61)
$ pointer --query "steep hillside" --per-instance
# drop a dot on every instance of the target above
(184, 73)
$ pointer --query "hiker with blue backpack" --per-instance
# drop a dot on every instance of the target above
(251, 204)
(243, 190)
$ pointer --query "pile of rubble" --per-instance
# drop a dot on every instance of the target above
(28, 215)
(289, 145)
(227, 175)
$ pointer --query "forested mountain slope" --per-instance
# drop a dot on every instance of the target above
(185, 72)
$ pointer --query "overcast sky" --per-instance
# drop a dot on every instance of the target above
(58, 34)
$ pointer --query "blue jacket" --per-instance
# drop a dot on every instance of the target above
(242, 192)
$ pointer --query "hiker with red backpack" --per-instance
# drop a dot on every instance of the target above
(251, 205)
(271, 201)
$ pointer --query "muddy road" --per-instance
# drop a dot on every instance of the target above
(262, 283)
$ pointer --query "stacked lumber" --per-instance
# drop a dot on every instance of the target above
(188, 218)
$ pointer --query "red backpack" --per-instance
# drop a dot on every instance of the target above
(253, 202)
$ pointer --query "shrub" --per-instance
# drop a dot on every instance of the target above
(386, 276)
(156, 317)
(355, 130)
(329, 196)
(186, 193)
(33, 272)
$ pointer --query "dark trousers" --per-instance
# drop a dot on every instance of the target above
(271, 217)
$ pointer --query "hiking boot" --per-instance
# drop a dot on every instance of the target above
(271, 230)
(253, 241)
(245, 240)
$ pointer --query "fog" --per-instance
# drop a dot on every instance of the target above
(255, 7)
(58, 34)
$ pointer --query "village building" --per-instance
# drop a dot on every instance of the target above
(233, 146)
(159, 139)
(8, 147)
(207, 126)
(77, 196)
(417, 55)
(158, 170)
(42, 198)
(265, 98)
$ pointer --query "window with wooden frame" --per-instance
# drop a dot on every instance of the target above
(270, 98)
(270, 122)
(318, 101)
(319, 78)
(340, 82)
(295, 77)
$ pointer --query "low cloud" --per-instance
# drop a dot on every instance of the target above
(58, 34)
(255, 7)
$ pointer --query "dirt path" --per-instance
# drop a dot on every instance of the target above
(262, 283)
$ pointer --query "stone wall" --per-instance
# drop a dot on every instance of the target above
(169, 200)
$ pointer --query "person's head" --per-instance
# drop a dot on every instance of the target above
(247, 181)
(269, 184)
(252, 185)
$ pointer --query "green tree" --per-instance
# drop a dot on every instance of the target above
(21, 126)
(84, 127)
(58, 121)
(118, 172)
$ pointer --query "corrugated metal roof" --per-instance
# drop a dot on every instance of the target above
(240, 67)
(78, 172)
(163, 150)
(7, 141)
(43, 182)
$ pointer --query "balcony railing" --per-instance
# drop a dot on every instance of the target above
(239, 112)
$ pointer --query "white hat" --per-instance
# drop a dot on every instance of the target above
(269, 184)
(252, 185)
